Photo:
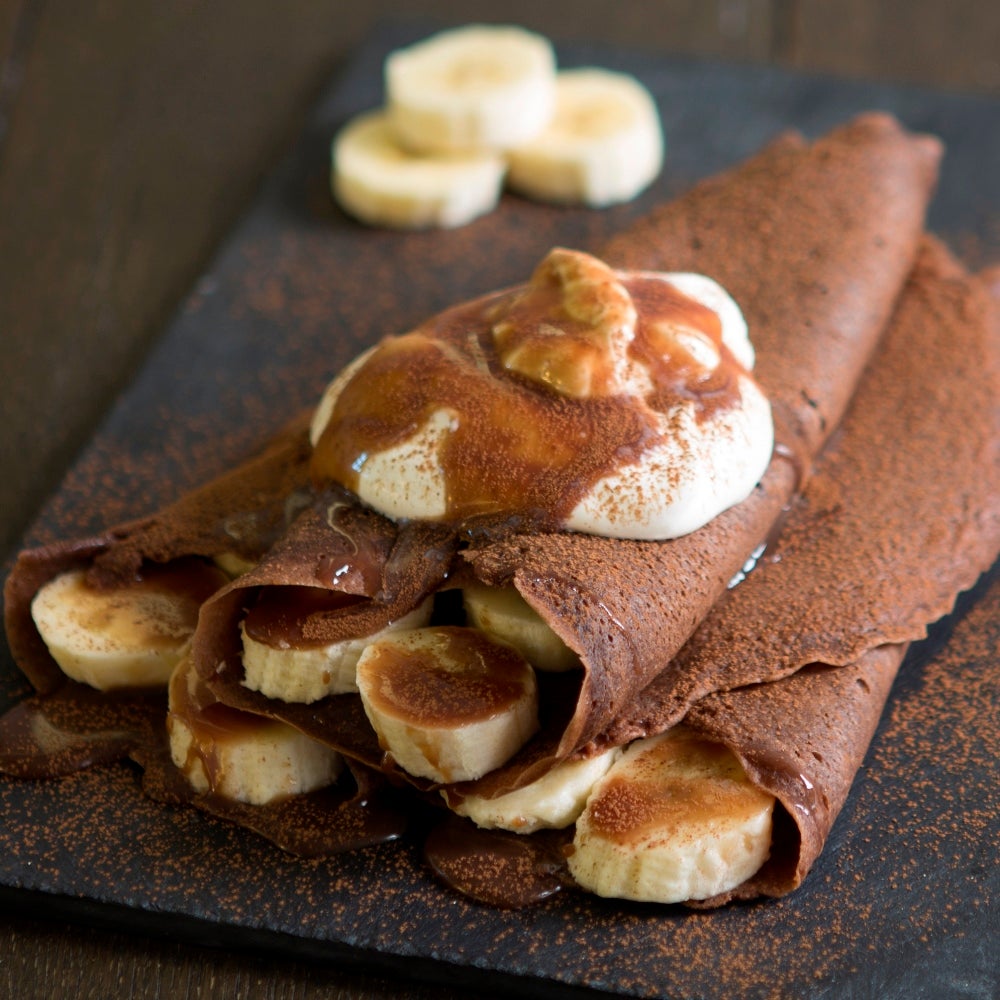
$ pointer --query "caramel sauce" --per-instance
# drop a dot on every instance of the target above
(210, 723)
(665, 312)
(73, 729)
(517, 447)
(497, 868)
(280, 616)
(465, 679)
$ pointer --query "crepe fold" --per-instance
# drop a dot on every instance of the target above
(241, 514)
(814, 241)
(792, 669)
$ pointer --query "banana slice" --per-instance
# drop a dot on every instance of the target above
(233, 564)
(448, 703)
(303, 673)
(675, 819)
(381, 184)
(553, 802)
(603, 146)
(126, 637)
(239, 756)
(472, 88)
(504, 614)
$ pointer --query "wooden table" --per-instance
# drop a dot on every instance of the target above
(132, 134)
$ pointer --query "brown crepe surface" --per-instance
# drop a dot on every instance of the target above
(875, 549)
(880, 543)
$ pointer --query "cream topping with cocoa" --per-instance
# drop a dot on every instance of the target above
(612, 403)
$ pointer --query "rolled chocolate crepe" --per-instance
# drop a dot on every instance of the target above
(238, 516)
(814, 242)
(792, 669)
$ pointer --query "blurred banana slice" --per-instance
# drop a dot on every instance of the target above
(503, 613)
(603, 146)
(448, 703)
(239, 756)
(126, 637)
(306, 674)
(675, 819)
(552, 802)
(380, 183)
(469, 89)
(233, 564)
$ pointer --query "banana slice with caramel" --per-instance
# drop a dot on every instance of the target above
(239, 756)
(127, 636)
(448, 703)
(675, 819)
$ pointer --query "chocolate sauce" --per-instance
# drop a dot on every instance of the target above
(495, 867)
(280, 615)
(75, 728)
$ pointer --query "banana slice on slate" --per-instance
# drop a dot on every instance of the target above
(469, 89)
(239, 756)
(130, 636)
(504, 614)
(382, 184)
(552, 802)
(448, 703)
(303, 673)
(675, 819)
(603, 146)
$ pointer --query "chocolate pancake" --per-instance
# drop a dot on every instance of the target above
(792, 669)
(240, 514)
(813, 240)
(901, 514)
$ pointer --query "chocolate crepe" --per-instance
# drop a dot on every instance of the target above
(901, 514)
(814, 241)
(242, 514)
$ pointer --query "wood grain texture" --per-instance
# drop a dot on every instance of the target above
(953, 45)
(42, 961)
(136, 134)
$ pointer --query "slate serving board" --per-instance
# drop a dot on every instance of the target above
(905, 902)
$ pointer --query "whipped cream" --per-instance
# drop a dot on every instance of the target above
(614, 403)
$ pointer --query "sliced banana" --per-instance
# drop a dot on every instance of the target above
(381, 184)
(233, 564)
(238, 756)
(307, 674)
(603, 146)
(552, 802)
(472, 88)
(127, 637)
(675, 819)
(503, 613)
(448, 703)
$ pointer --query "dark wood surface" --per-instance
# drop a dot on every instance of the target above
(133, 134)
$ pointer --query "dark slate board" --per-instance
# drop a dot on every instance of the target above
(905, 902)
